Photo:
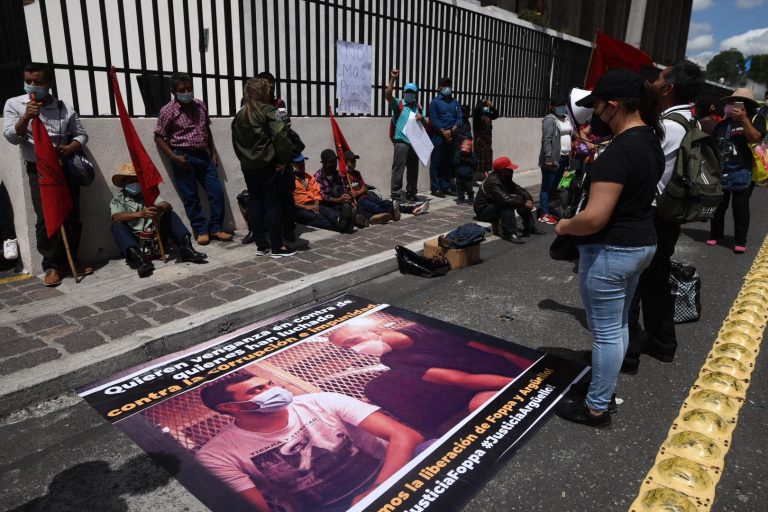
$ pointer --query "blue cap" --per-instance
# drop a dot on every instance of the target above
(300, 158)
(410, 86)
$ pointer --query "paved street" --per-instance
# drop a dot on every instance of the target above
(59, 455)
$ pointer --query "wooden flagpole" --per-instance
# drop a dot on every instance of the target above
(591, 54)
(69, 254)
(160, 242)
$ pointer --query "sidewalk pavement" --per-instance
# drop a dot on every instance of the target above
(55, 339)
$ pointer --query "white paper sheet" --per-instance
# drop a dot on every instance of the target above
(419, 139)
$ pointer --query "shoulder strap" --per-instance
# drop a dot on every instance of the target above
(680, 119)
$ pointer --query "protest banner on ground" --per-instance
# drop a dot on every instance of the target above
(348, 405)
(353, 77)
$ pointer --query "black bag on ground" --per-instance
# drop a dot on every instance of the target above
(462, 237)
(564, 248)
(408, 262)
(685, 287)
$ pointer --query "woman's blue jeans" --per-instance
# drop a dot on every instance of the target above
(550, 178)
(608, 277)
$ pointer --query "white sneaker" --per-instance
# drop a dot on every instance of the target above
(422, 208)
(10, 249)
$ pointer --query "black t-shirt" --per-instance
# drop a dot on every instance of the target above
(633, 158)
(732, 143)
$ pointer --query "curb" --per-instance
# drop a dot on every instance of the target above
(55, 377)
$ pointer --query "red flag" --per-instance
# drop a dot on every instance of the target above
(610, 53)
(341, 144)
(54, 191)
(146, 172)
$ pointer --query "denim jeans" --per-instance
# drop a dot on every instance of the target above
(549, 180)
(170, 226)
(207, 174)
(369, 206)
(608, 277)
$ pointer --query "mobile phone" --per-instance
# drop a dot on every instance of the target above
(739, 104)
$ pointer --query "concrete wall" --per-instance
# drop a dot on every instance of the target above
(517, 138)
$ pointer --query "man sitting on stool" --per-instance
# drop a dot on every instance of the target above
(131, 216)
(499, 197)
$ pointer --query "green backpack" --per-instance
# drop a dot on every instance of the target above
(694, 191)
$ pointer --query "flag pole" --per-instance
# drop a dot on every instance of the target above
(69, 253)
(160, 242)
(592, 53)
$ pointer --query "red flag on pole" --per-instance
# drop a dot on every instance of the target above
(54, 191)
(148, 176)
(340, 142)
(610, 53)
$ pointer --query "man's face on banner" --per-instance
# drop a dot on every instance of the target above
(242, 392)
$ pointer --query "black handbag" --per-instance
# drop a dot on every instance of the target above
(564, 248)
(408, 262)
(79, 169)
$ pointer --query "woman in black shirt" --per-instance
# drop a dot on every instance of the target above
(615, 232)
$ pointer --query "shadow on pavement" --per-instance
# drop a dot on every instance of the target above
(94, 485)
(578, 313)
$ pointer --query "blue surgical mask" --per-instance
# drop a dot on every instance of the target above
(560, 111)
(409, 98)
(133, 189)
(272, 400)
(446, 91)
(185, 97)
(40, 91)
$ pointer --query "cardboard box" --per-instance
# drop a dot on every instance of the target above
(458, 258)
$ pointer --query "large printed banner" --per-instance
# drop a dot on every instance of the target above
(350, 405)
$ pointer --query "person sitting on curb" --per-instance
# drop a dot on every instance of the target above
(335, 191)
(373, 209)
(499, 197)
(130, 216)
(307, 197)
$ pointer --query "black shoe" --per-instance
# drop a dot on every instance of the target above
(578, 412)
(438, 194)
(281, 253)
(139, 262)
(188, 253)
(534, 231)
(247, 239)
(396, 210)
(655, 353)
(627, 367)
(451, 193)
(460, 200)
(346, 218)
(410, 197)
(513, 238)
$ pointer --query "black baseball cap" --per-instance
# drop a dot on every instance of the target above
(328, 155)
(349, 155)
(616, 83)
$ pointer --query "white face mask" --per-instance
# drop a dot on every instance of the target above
(372, 348)
(272, 400)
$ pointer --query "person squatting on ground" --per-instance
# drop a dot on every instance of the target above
(742, 125)
(499, 197)
(334, 190)
(260, 143)
(372, 208)
(555, 153)
(183, 134)
(677, 86)
(68, 136)
(131, 217)
(465, 169)
(307, 452)
(405, 160)
(482, 126)
(307, 197)
(445, 118)
(614, 232)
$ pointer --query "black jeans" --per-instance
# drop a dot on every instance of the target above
(653, 294)
(265, 207)
(52, 249)
(7, 230)
(326, 218)
(740, 215)
(494, 212)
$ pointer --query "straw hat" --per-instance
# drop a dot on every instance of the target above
(121, 178)
(741, 94)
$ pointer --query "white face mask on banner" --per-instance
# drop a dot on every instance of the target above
(273, 399)
(372, 348)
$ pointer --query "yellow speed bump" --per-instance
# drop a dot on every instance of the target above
(691, 460)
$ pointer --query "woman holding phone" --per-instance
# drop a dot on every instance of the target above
(741, 126)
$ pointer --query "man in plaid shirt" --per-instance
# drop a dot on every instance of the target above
(333, 189)
(183, 133)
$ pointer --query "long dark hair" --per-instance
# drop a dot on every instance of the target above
(647, 104)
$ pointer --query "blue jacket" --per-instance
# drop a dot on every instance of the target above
(444, 113)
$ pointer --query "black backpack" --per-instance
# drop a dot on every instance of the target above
(694, 191)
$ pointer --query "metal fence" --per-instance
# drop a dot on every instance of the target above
(221, 43)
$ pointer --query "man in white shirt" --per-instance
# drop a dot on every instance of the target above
(68, 136)
(312, 452)
(677, 87)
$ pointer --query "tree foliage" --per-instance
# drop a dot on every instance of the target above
(728, 65)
